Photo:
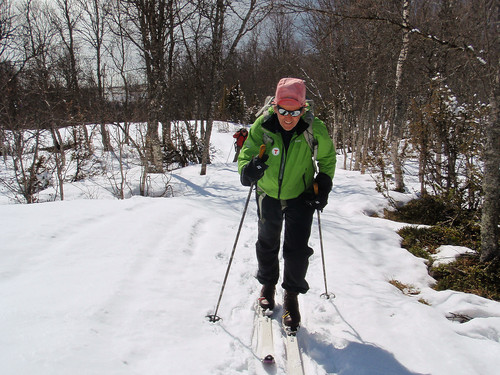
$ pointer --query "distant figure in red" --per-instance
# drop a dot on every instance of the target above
(241, 136)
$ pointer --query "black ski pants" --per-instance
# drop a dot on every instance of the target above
(298, 219)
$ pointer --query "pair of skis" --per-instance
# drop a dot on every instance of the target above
(265, 343)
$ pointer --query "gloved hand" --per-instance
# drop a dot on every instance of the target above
(254, 170)
(320, 200)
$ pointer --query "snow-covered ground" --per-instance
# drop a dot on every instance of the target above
(106, 286)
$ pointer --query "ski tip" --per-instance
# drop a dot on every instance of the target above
(263, 311)
(267, 312)
(268, 359)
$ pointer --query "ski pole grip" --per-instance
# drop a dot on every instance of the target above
(316, 189)
(262, 150)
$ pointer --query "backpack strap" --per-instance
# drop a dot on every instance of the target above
(313, 145)
(309, 134)
(265, 107)
(267, 139)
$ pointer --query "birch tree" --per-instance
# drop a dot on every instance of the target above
(211, 40)
(65, 19)
(94, 29)
(399, 110)
(155, 23)
(491, 181)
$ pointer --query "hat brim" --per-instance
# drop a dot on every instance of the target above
(290, 103)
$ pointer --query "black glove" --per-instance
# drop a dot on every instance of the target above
(254, 170)
(319, 201)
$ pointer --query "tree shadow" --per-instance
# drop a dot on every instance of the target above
(356, 358)
(197, 188)
(353, 359)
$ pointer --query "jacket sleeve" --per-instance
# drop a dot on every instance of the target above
(327, 156)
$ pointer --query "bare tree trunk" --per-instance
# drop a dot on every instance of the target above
(206, 148)
(26, 175)
(398, 118)
(120, 56)
(94, 31)
(66, 23)
(60, 158)
(248, 19)
(491, 179)
(358, 144)
(167, 112)
(88, 143)
(106, 142)
(423, 160)
(345, 148)
(155, 21)
(154, 155)
(216, 72)
(366, 117)
(4, 147)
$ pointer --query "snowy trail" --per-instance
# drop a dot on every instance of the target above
(123, 287)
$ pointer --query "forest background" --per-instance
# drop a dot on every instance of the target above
(391, 79)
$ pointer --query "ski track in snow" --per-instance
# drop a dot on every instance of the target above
(123, 287)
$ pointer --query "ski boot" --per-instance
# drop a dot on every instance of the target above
(291, 314)
(266, 300)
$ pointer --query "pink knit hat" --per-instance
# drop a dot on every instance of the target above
(291, 91)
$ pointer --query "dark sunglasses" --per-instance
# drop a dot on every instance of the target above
(284, 112)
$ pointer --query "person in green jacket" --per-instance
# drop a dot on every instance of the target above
(285, 176)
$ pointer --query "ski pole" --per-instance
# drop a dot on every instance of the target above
(326, 294)
(229, 154)
(214, 317)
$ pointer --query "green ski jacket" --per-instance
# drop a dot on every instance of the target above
(291, 171)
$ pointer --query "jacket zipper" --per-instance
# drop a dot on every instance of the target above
(282, 171)
(283, 162)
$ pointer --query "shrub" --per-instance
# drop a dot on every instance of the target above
(423, 242)
(469, 275)
(447, 225)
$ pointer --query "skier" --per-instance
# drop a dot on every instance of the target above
(285, 180)
(241, 136)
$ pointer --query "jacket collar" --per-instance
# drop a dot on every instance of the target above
(273, 125)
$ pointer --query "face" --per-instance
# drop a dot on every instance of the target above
(288, 122)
